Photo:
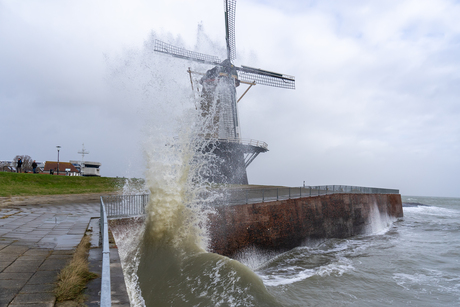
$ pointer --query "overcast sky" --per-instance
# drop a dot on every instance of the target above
(376, 100)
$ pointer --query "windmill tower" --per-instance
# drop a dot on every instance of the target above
(219, 91)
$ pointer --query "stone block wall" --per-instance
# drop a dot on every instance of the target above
(285, 224)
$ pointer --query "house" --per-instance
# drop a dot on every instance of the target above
(65, 168)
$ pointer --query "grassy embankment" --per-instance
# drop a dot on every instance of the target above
(13, 184)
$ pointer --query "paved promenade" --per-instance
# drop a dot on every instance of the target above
(36, 242)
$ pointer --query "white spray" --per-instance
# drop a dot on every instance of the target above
(378, 222)
(165, 261)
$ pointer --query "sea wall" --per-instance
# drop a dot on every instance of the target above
(285, 224)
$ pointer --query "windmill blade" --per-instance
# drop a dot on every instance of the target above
(182, 53)
(230, 8)
(265, 77)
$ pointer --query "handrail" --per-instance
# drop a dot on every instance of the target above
(106, 296)
(250, 142)
(250, 196)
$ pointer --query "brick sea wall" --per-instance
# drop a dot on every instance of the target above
(283, 225)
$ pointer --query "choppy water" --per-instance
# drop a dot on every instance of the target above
(413, 262)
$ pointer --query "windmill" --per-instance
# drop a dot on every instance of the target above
(219, 94)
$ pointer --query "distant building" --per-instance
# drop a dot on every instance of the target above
(72, 168)
(65, 168)
(7, 166)
(87, 168)
(40, 165)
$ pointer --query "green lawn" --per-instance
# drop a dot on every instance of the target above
(13, 184)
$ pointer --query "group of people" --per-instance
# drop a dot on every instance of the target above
(19, 166)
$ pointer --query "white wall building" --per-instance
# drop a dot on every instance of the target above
(87, 168)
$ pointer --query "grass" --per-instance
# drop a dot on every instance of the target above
(73, 278)
(13, 184)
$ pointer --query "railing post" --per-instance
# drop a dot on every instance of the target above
(106, 295)
(101, 223)
(310, 191)
(300, 189)
(246, 192)
(277, 194)
(263, 196)
(289, 192)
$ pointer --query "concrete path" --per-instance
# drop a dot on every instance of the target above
(36, 242)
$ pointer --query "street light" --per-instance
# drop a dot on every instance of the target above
(58, 147)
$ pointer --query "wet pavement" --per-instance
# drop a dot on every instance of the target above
(36, 242)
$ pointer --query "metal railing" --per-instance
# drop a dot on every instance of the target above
(250, 196)
(134, 205)
(125, 205)
(250, 142)
(106, 297)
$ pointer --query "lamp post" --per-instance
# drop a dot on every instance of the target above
(58, 148)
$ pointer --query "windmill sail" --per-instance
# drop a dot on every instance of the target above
(182, 53)
(230, 9)
(265, 77)
(218, 102)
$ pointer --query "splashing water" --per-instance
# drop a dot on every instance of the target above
(165, 258)
(378, 222)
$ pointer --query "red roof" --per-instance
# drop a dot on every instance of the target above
(52, 165)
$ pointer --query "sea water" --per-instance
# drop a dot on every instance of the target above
(414, 262)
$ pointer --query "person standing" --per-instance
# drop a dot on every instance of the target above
(34, 166)
(18, 169)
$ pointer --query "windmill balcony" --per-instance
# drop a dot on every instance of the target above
(250, 142)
